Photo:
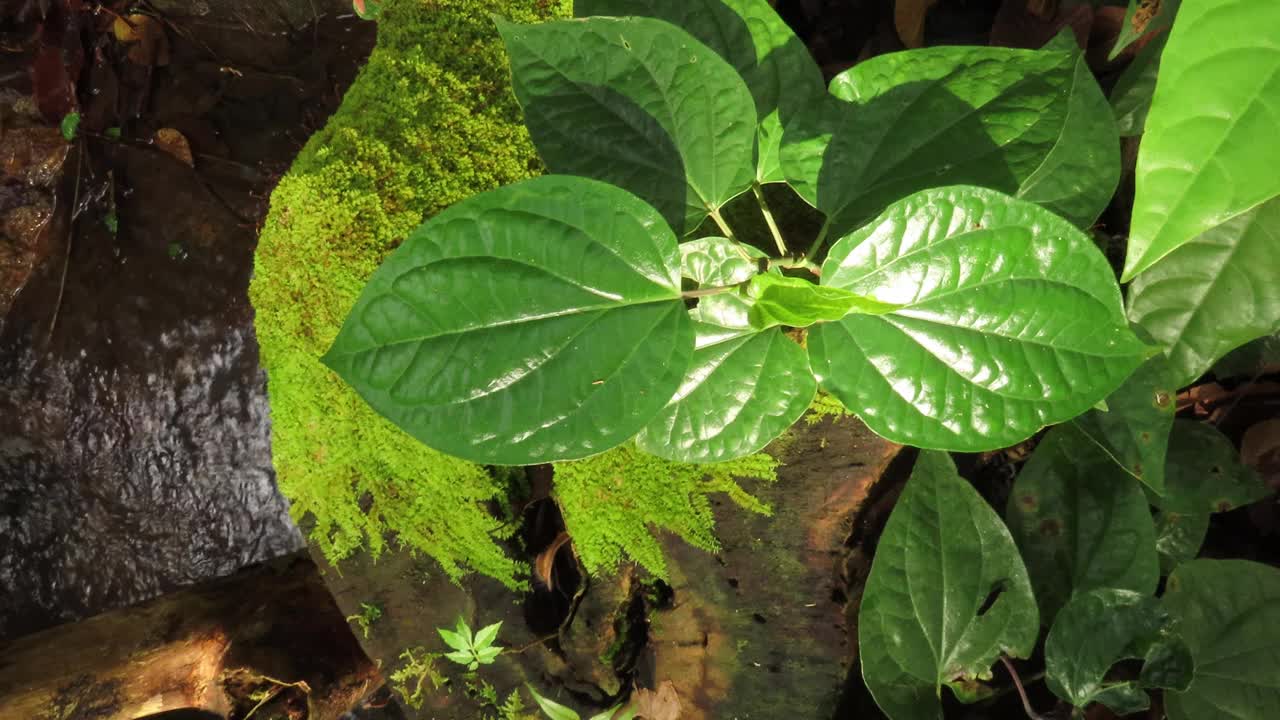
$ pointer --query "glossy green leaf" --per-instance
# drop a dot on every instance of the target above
(1213, 294)
(1253, 358)
(738, 395)
(947, 595)
(1134, 429)
(1030, 123)
(796, 302)
(454, 640)
(536, 322)
(717, 261)
(638, 103)
(553, 709)
(486, 635)
(1010, 320)
(1179, 537)
(1144, 17)
(1080, 522)
(1131, 96)
(1209, 152)
(1095, 630)
(1228, 611)
(777, 67)
(1204, 473)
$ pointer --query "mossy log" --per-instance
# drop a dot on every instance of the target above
(270, 631)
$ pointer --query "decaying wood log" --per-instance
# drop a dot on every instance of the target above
(271, 634)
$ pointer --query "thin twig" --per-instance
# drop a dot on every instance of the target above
(768, 219)
(1022, 693)
(539, 641)
(71, 227)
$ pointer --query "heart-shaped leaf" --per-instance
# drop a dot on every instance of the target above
(536, 322)
(1026, 122)
(1134, 429)
(1209, 151)
(947, 595)
(739, 394)
(1081, 522)
(626, 100)
(1099, 628)
(1228, 611)
(1010, 320)
(1214, 293)
(1179, 537)
(777, 67)
(1204, 473)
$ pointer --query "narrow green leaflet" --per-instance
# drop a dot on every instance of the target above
(1209, 151)
(1134, 429)
(1179, 537)
(1026, 122)
(777, 67)
(1214, 293)
(946, 597)
(1131, 96)
(1009, 320)
(1080, 522)
(553, 709)
(1228, 611)
(739, 394)
(628, 101)
(1099, 628)
(1144, 17)
(1204, 473)
(487, 336)
(796, 302)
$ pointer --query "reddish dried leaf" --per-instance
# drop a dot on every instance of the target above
(546, 560)
(660, 704)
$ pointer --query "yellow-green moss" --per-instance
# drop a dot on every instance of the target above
(430, 121)
(610, 500)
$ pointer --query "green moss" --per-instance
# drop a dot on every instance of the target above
(610, 501)
(824, 406)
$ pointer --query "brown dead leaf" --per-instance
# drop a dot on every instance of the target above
(546, 560)
(660, 704)
(908, 18)
(174, 143)
(150, 46)
(1146, 10)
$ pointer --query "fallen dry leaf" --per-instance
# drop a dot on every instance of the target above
(150, 46)
(546, 560)
(660, 704)
(908, 19)
(174, 143)
(1147, 9)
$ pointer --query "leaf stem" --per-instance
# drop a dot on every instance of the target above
(724, 226)
(768, 219)
(1022, 693)
(816, 247)
(703, 292)
(797, 263)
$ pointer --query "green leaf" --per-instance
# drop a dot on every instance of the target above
(464, 630)
(1080, 522)
(455, 640)
(70, 125)
(1204, 473)
(487, 655)
(615, 713)
(540, 321)
(461, 657)
(1134, 429)
(1144, 17)
(1010, 320)
(796, 302)
(1179, 537)
(1209, 151)
(1167, 663)
(1131, 96)
(553, 709)
(738, 395)
(1213, 294)
(717, 261)
(1228, 611)
(1253, 358)
(1095, 630)
(947, 594)
(1026, 122)
(626, 100)
(749, 35)
(486, 635)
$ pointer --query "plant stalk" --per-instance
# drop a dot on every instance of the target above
(816, 247)
(724, 226)
(704, 292)
(768, 219)
(1022, 693)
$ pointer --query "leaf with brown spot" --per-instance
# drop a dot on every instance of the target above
(174, 143)
(544, 565)
(908, 19)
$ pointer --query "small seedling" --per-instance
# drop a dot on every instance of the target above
(368, 615)
(556, 711)
(471, 650)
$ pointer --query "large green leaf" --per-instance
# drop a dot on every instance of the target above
(1131, 96)
(1179, 537)
(1134, 429)
(717, 261)
(639, 103)
(1099, 628)
(540, 321)
(1204, 473)
(1010, 320)
(740, 392)
(1030, 123)
(1228, 611)
(777, 67)
(1214, 293)
(1209, 151)
(1080, 522)
(947, 594)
